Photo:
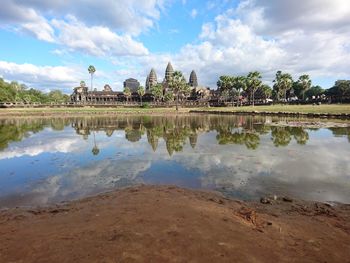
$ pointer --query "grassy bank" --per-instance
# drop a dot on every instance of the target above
(304, 109)
(327, 109)
(86, 110)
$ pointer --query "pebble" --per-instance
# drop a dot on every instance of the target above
(265, 200)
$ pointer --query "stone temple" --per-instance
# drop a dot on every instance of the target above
(132, 84)
(151, 79)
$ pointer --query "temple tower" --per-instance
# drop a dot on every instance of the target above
(193, 81)
(151, 79)
(168, 72)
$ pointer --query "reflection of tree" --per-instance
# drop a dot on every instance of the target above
(280, 136)
(17, 130)
(341, 131)
(193, 139)
(248, 138)
(95, 149)
(300, 135)
(175, 139)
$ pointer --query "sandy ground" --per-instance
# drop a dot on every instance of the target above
(171, 224)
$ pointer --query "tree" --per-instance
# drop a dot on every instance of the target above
(304, 82)
(314, 91)
(127, 93)
(169, 96)
(340, 89)
(267, 91)
(253, 81)
(225, 84)
(56, 96)
(92, 71)
(157, 91)
(82, 84)
(239, 83)
(141, 92)
(283, 83)
(178, 85)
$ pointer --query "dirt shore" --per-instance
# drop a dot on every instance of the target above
(171, 224)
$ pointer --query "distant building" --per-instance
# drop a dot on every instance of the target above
(81, 95)
(133, 84)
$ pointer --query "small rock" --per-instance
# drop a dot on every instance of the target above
(265, 200)
(269, 223)
(287, 199)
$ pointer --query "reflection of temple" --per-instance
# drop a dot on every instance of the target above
(175, 132)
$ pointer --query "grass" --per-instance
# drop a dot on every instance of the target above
(86, 110)
(331, 109)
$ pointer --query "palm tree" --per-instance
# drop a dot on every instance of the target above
(157, 91)
(91, 70)
(95, 149)
(267, 91)
(283, 83)
(253, 82)
(305, 83)
(239, 84)
(141, 92)
(178, 85)
(127, 93)
(225, 84)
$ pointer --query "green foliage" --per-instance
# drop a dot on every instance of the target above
(141, 91)
(314, 91)
(303, 84)
(283, 83)
(91, 69)
(127, 92)
(169, 96)
(157, 92)
(253, 82)
(145, 105)
(179, 86)
(14, 92)
(340, 89)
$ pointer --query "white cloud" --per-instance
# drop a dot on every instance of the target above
(42, 76)
(96, 40)
(12, 14)
(269, 36)
(130, 16)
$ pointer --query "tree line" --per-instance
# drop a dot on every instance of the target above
(284, 88)
(20, 93)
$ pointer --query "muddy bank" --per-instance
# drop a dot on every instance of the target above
(171, 224)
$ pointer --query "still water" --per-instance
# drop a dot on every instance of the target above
(50, 160)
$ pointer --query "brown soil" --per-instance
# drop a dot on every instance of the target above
(170, 224)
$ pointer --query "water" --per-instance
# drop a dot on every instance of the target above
(49, 160)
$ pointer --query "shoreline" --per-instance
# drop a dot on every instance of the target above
(341, 112)
(279, 114)
(173, 224)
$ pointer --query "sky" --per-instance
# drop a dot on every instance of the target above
(50, 44)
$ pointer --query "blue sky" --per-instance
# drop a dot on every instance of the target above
(49, 44)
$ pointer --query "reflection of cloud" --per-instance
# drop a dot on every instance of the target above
(94, 178)
(313, 172)
(43, 143)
